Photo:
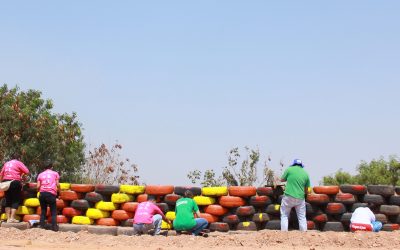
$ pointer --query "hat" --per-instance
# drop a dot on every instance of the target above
(298, 162)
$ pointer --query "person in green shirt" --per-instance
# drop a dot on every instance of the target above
(297, 186)
(184, 220)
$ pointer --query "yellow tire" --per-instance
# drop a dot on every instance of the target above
(94, 213)
(165, 225)
(121, 198)
(4, 217)
(106, 206)
(131, 189)
(32, 202)
(204, 200)
(214, 191)
(82, 220)
(170, 215)
(65, 186)
(22, 210)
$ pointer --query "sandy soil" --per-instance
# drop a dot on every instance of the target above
(12, 238)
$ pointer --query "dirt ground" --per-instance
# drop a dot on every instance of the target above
(12, 238)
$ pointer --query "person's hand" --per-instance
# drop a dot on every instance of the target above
(169, 222)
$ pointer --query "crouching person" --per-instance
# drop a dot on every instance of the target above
(184, 220)
(147, 217)
(363, 219)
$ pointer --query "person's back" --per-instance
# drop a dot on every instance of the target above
(296, 180)
(184, 209)
(48, 179)
(145, 211)
(12, 170)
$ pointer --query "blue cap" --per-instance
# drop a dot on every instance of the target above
(298, 162)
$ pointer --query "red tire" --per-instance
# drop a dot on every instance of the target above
(353, 189)
(260, 201)
(335, 208)
(247, 226)
(231, 201)
(71, 212)
(69, 195)
(141, 198)
(82, 188)
(245, 211)
(121, 215)
(39, 211)
(219, 227)
(1, 194)
(321, 218)
(60, 204)
(107, 222)
(268, 191)
(216, 210)
(28, 217)
(390, 227)
(209, 217)
(231, 219)
(326, 190)
(61, 219)
(318, 199)
(130, 206)
(159, 190)
(171, 199)
(345, 198)
(310, 225)
(242, 191)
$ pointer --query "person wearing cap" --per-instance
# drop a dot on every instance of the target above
(148, 216)
(47, 185)
(363, 219)
(297, 186)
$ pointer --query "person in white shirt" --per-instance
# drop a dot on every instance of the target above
(363, 219)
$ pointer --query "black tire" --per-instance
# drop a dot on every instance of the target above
(247, 226)
(171, 199)
(93, 197)
(394, 200)
(382, 218)
(106, 190)
(260, 201)
(163, 207)
(345, 218)
(351, 189)
(357, 205)
(273, 225)
(390, 227)
(80, 204)
(219, 227)
(231, 219)
(390, 210)
(260, 217)
(384, 190)
(180, 190)
(310, 209)
(127, 223)
(273, 209)
(334, 226)
(397, 190)
(375, 199)
(245, 211)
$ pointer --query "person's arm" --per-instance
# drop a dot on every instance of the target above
(38, 184)
(2, 174)
(196, 209)
(284, 176)
(158, 211)
(307, 188)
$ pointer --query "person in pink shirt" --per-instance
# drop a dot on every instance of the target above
(14, 171)
(147, 217)
(47, 184)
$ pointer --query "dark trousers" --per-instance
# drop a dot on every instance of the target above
(48, 199)
(13, 194)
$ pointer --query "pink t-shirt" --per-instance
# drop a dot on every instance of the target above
(145, 211)
(12, 170)
(48, 181)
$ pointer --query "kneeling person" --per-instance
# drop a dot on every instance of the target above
(148, 216)
(363, 219)
(184, 220)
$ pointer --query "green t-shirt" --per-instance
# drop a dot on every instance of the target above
(296, 180)
(184, 209)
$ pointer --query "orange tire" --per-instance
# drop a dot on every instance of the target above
(82, 188)
(1, 194)
(107, 222)
(159, 190)
(121, 215)
(326, 190)
(260, 201)
(231, 201)
(318, 199)
(321, 218)
(39, 211)
(141, 198)
(335, 208)
(268, 191)
(216, 210)
(61, 204)
(69, 195)
(242, 191)
(71, 212)
(28, 217)
(310, 225)
(61, 219)
(345, 198)
(130, 206)
(209, 217)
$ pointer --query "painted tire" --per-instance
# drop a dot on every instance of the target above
(163, 207)
(93, 197)
(82, 188)
(166, 226)
(80, 204)
(384, 190)
(231, 219)
(335, 208)
(28, 217)
(32, 202)
(390, 227)
(130, 206)
(273, 209)
(106, 206)
(127, 223)
(375, 199)
(94, 213)
(61, 219)
(39, 211)
(141, 198)
(320, 218)
(31, 187)
(382, 218)
(121, 215)
(106, 189)
(170, 215)
(219, 227)
(231, 201)
(329, 190)
(71, 212)
(64, 186)
(394, 200)
(310, 225)
(216, 210)
(121, 198)
(245, 211)
(268, 191)
(357, 205)
(345, 198)
(214, 191)
(273, 225)
(81, 220)
(60, 204)
(353, 189)
(171, 199)
(204, 200)
(23, 210)
(260, 217)
(69, 195)
(390, 210)
(131, 189)
(247, 226)
(260, 201)
(107, 222)
(209, 217)
(345, 219)
(159, 190)
(180, 190)
(1, 194)
(318, 199)
(333, 226)
(242, 191)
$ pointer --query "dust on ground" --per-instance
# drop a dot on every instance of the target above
(36, 239)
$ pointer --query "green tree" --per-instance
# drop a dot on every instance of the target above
(339, 178)
(29, 127)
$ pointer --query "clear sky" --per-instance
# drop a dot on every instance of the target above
(179, 83)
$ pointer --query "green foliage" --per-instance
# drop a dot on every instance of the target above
(29, 127)
(339, 178)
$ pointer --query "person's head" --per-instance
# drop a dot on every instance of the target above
(188, 194)
(298, 162)
(48, 164)
(151, 198)
(15, 156)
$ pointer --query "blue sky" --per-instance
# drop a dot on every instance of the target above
(179, 83)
